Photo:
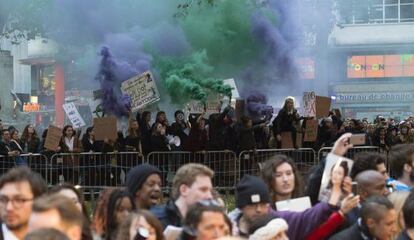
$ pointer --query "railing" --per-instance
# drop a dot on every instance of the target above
(99, 170)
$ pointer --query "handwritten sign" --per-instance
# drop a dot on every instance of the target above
(54, 134)
(309, 104)
(142, 90)
(105, 128)
(311, 130)
(73, 115)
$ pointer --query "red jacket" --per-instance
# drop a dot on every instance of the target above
(327, 228)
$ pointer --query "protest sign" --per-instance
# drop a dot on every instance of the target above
(323, 105)
(212, 105)
(309, 104)
(73, 115)
(311, 130)
(54, 134)
(142, 90)
(105, 128)
(287, 140)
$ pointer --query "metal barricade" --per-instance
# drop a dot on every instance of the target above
(92, 169)
(37, 162)
(351, 152)
(225, 167)
(168, 163)
(250, 161)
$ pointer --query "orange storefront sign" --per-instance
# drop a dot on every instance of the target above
(381, 66)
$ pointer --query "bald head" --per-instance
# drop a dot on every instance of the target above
(371, 183)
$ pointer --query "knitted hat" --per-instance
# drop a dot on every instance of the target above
(271, 230)
(138, 175)
(251, 190)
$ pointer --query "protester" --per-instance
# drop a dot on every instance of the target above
(141, 224)
(286, 121)
(408, 216)
(191, 184)
(19, 187)
(282, 178)
(252, 201)
(198, 138)
(59, 212)
(145, 128)
(88, 141)
(402, 166)
(120, 205)
(30, 140)
(16, 146)
(69, 143)
(143, 182)
(159, 140)
(205, 220)
(398, 199)
(377, 221)
(5, 147)
(100, 213)
(180, 127)
(133, 139)
(369, 161)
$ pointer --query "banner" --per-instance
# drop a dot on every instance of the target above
(54, 134)
(213, 105)
(105, 128)
(73, 115)
(142, 90)
(309, 104)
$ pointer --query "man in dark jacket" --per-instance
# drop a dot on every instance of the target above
(191, 184)
(378, 221)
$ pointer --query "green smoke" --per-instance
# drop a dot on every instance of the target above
(189, 78)
(223, 30)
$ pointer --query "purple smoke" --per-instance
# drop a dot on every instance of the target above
(111, 74)
(279, 40)
(256, 105)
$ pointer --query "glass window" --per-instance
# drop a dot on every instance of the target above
(391, 13)
(407, 13)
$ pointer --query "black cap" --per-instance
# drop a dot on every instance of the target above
(251, 190)
(138, 175)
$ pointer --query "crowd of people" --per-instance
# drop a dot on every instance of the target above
(217, 131)
(380, 207)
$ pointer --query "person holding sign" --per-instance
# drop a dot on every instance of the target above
(286, 121)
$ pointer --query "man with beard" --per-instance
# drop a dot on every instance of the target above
(402, 166)
(18, 189)
(144, 184)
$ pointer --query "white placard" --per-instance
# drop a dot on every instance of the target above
(73, 115)
(142, 90)
(234, 91)
(309, 104)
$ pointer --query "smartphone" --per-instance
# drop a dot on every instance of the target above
(355, 188)
(357, 139)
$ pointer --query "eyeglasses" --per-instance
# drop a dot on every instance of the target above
(209, 202)
(16, 202)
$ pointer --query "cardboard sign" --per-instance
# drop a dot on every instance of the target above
(105, 128)
(54, 134)
(309, 104)
(323, 104)
(311, 130)
(142, 90)
(73, 115)
(212, 105)
(287, 141)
